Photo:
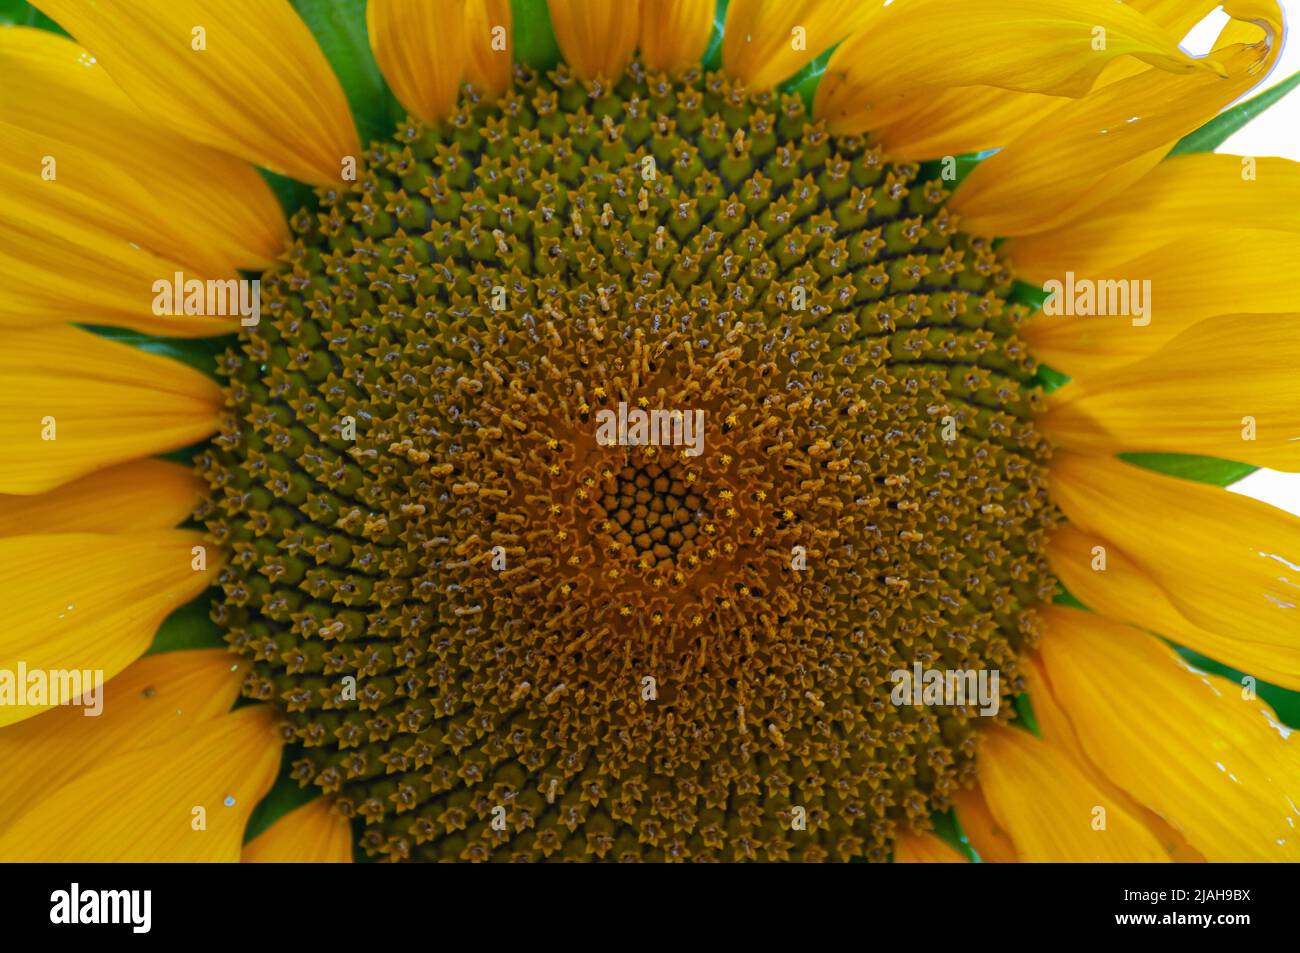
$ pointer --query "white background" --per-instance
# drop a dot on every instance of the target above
(1275, 133)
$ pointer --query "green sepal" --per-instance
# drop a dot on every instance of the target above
(948, 829)
(285, 795)
(340, 30)
(198, 353)
(1064, 597)
(1284, 702)
(290, 193)
(1031, 295)
(804, 83)
(963, 165)
(1049, 379)
(535, 43)
(1026, 718)
(1190, 466)
(22, 13)
(713, 52)
(190, 627)
(1215, 132)
(184, 455)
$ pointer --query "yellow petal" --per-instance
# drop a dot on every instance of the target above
(135, 496)
(1050, 809)
(991, 842)
(311, 834)
(1244, 403)
(1218, 768)
(421, 49)
(489, 44)
(1057, 51)
(152, 701)
(1234, 32)
(101, 402)
(597, 39)
(1058, 732)
(933, 123)
(1123, 592)
(1106, 141)
(1229, 563)
(56, 270)
(243, 76)
(1176, 17)
(1180, 199)
(119, 171)
(675, 33)
(766, 41)
(1201, 276)
(952, 122)
(87, 603)
(910, 848)
(147, 805)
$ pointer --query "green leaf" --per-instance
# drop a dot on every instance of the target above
(535, 43)
(1189, 466)
(285, 795)
(340, 29)
(189, 627)
(1215, 132)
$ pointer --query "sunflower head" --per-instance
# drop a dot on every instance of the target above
(636, 631)
(636, 456)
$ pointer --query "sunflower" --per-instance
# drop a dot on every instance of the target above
(457, 623)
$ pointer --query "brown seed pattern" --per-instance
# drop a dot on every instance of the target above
(562, 649)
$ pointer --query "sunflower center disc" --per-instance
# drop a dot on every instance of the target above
(496, 632)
